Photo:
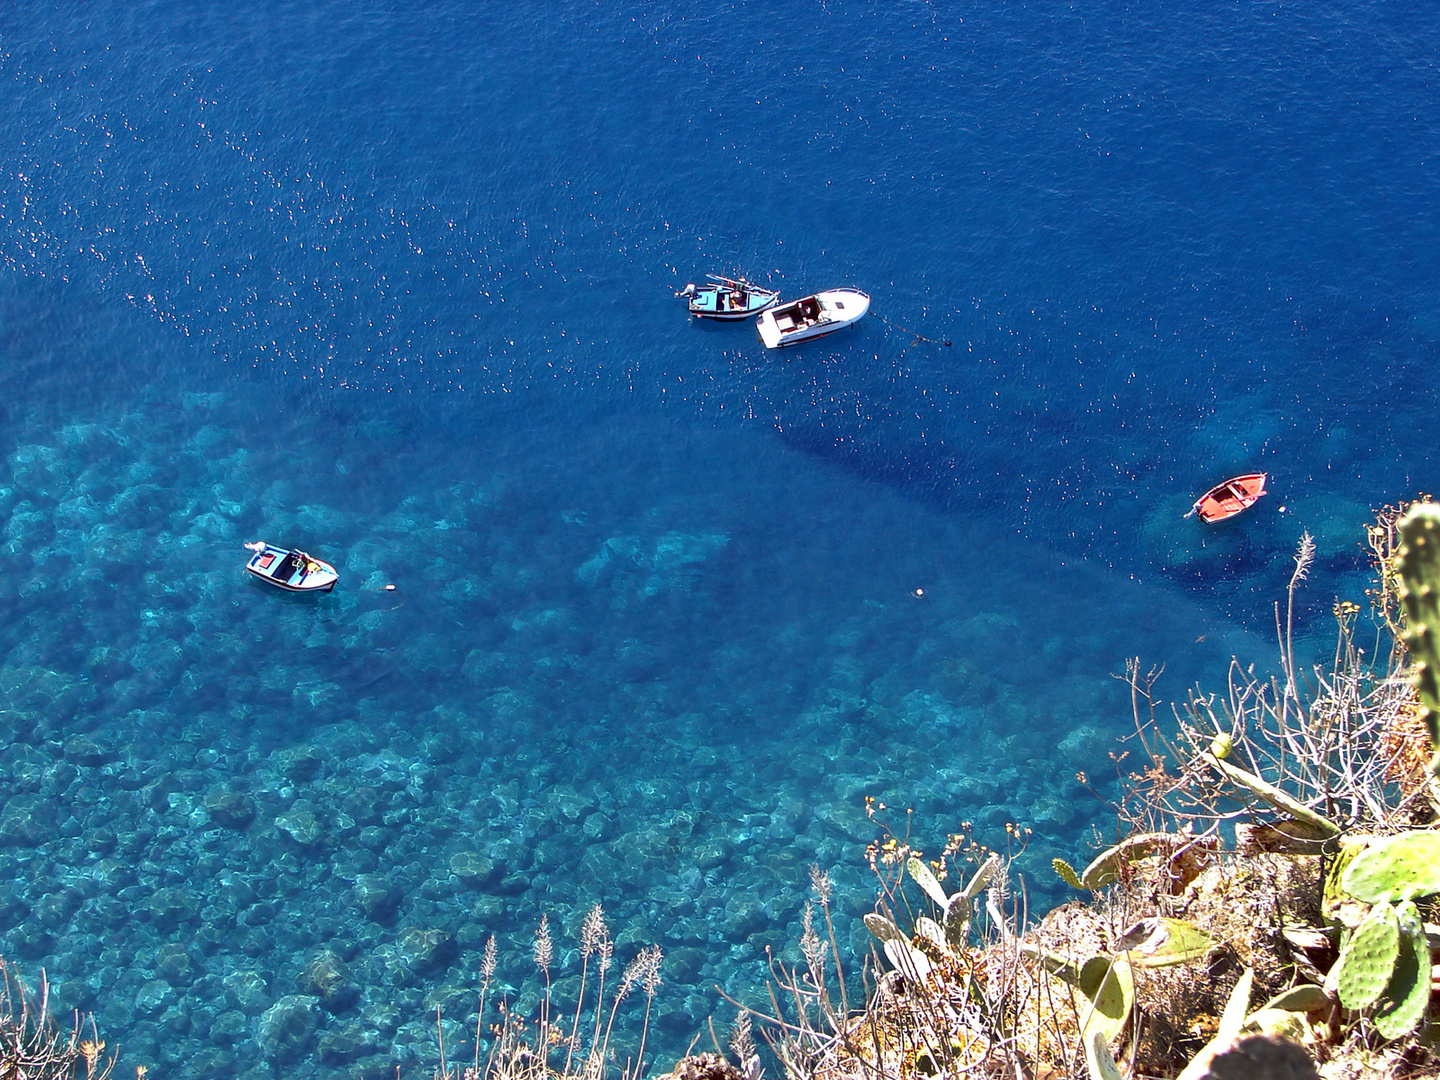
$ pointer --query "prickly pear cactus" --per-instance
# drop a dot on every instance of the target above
(1368, 959)
(922, 876)
(1400, 867)
(957, 923)
(1067, 873)
(883, 928)
(1403, 1004)
(1418, 565)
(1335, 904)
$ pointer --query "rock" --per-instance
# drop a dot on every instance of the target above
(153, 996)
(174, 965)
(229, 809)
(27, 820)
(328, 977)
(376, 897)
(29, 942)
(317, 694)
(229, 1027)
(347, 1044)
(743, 917)
(302, 824)
(170, 907)
(248, 992)
(598, 827)
(53, 910)
(283, 1033)
(85, 751)
(475, 870)
(156, 794)
(425, 952)
(374, 1067)
(1262, 1057)
(300, 763)
(213, 1061)
(362, 805)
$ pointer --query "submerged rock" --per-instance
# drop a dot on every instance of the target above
(376, 897)
(475, 870)
(284, 1031)
(248, 991)
(328, 977)
(302, 824)
(230, 809)
(425, 951)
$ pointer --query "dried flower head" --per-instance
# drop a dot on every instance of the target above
(741, 1041)
(544, 948)
(487, 964)
(90, 1050)
(810, 944)
(629, 977)
(593, 931)
(820, 882)
(650, 975)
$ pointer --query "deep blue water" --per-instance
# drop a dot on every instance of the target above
(397, 285)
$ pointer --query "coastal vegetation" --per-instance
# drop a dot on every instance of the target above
(33, 1046)
(1268, 911)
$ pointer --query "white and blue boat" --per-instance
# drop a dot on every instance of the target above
(293, 571)
(812, 317)
(728, 299)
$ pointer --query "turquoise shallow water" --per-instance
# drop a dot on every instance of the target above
(396, 287)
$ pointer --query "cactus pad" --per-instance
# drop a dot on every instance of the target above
(1161, 942)
(1418, 565)
(1368, 959)
(983, 876)
(957, 923)
(1399, 867)
(926, 880)
(1067, 873)
(1110, 987)
(929, 929)
(1403, 1005)
(883, 928)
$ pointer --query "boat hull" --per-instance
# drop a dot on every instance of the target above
(1230, 498)
(811, 317)
(293, 571)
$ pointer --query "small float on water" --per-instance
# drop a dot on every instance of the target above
(727, 298)
(812, 317)
(293, 571)
(1228, 499)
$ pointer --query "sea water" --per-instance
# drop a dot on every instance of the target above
(394, 283)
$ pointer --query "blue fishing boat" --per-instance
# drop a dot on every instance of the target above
(293, 571)
(728, 298)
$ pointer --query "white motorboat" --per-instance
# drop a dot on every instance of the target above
(811, 317)
(293, 571)
(727, 299)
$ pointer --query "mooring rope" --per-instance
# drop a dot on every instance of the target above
(917, 337)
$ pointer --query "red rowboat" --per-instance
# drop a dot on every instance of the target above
(1228, 499)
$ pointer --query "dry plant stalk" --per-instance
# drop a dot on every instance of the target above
(1327, 746)
(523, 1051)
(32, 1046)
(980, 1010)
